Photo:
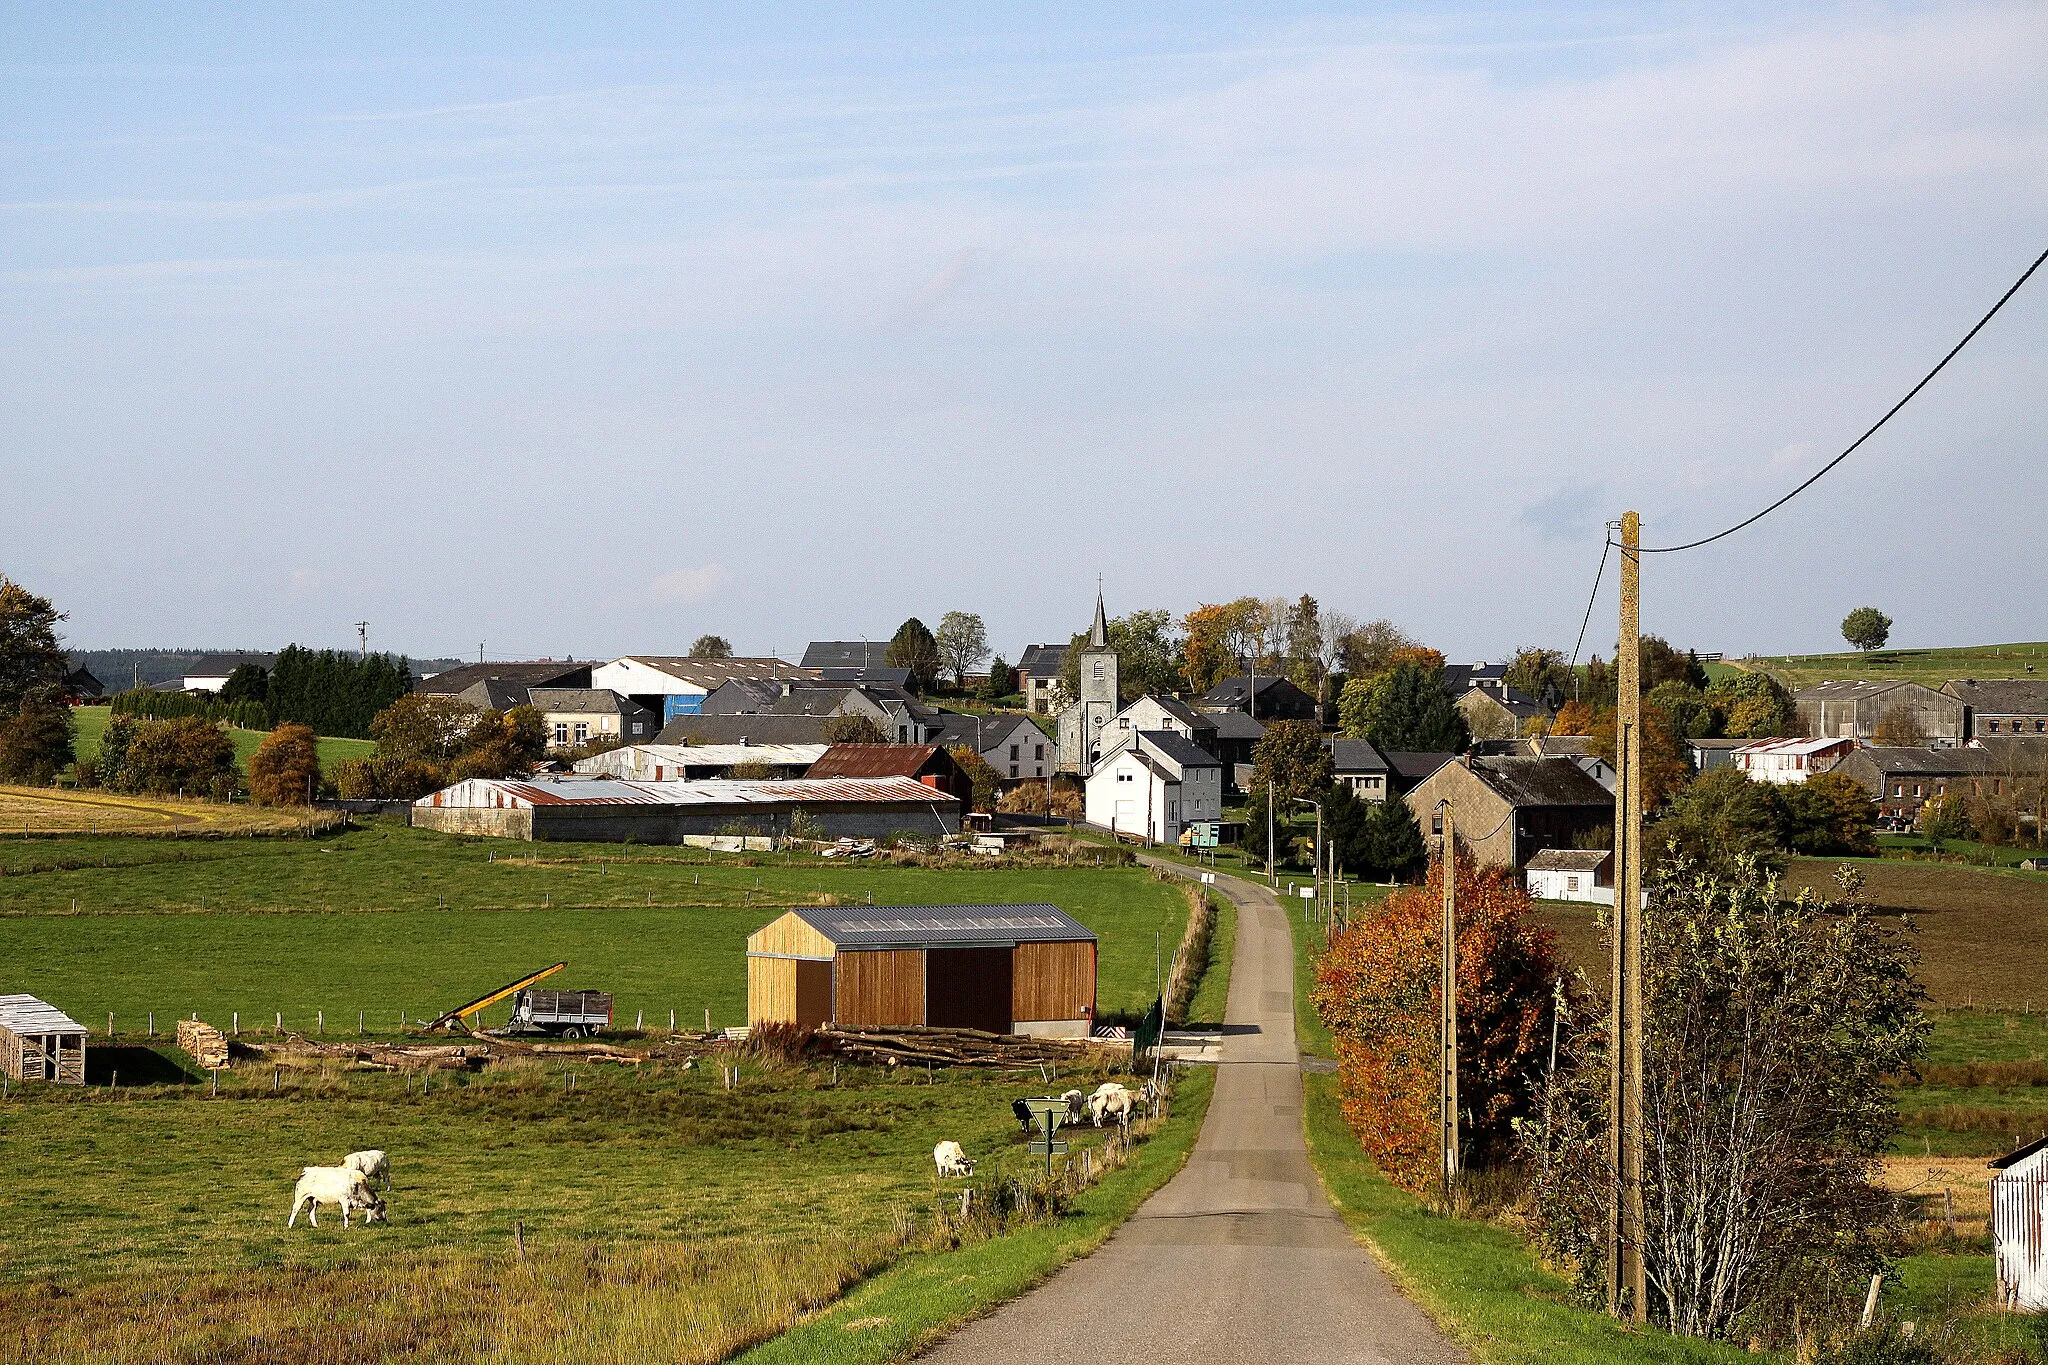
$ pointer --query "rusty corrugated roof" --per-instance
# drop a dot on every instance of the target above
(873, 760)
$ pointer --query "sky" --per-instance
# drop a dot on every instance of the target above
(581, 331)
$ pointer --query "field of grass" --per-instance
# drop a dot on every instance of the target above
(92, 724)
(386, 919)
(1916, 846)
(46, 810)
(1933, 667)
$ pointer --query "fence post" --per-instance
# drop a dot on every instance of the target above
(235, 1024)
(280, 1023)
(110, 1023)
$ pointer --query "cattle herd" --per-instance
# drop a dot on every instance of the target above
(1111, 1102)
(347, 1186)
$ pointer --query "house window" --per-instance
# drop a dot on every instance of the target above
(582, 731)
(1571, 883)
(1038, 754)
(1918, 790)
(1013, 770)
(1436, 822)
(1994, 727)
(637, 728)
(1898, 789)
(1014, 748)
(561, 732)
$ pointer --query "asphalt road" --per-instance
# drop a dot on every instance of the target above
(1240, 1257)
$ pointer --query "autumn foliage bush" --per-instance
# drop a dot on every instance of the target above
(1378, 990)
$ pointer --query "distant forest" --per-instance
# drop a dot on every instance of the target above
(121, 669)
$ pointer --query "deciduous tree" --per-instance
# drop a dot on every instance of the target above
(1867, 628)
(1148, 656)
(1370, 648)
(36, 740)
(1665, 766)
(986, 785)
(962, 643)
(1829, 815)
(913, 647)
(31, 655)
(1540, 673)
(711, 647)
(1899, 725)
(1573, 718)
(1360, 704)
(1218, 641)
(285, 769)
(425, 729)
(1686, 706)
(1292, 757)
(188, 754)
(853, 729)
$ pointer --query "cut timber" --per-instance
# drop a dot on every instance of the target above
(207, 1044)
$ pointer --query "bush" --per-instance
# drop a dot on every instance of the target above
(1378, 989)
(187, 754)
(386, 778)
(285, 769)
(36, 741)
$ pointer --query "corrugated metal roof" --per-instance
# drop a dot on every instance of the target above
(1792, 746)
(702, 756)
(26, 1014)
(938, 926)
(712, 672)
(579, 791)
(1568, 860)
(877, 760)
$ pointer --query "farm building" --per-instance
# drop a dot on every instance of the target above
(1786, 761)
(689, 762)
(2016, 1226)
(575, 807)
(39, 1042)
(1572, 874)
(1003, 968)
(924, 763)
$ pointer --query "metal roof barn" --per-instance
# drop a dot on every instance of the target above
(1003, 968)
(611, 809)
(39, 1042)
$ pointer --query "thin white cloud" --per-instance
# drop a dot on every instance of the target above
(689, 585)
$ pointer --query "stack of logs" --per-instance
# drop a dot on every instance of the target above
(208, 1046)
(894, 1046)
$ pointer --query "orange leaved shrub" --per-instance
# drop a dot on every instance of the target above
(1377, 989)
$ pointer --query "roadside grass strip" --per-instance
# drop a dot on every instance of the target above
(915, 1302)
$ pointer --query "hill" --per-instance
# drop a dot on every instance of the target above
(1932, 667)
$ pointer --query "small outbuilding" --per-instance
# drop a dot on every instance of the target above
(39, 1042)
(1572, 874)
(2016, 1226)
(1003, 968)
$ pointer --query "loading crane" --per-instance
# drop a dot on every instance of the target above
(464, 1016)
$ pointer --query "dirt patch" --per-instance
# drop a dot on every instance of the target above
(40, 810)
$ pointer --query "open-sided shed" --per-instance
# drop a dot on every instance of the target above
(39, 1042)
(1004, 968)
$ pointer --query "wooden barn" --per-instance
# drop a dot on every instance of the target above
(1004, 968)
(39, 1042)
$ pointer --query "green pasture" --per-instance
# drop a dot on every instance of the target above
(92, 724)
(388, 919)
(1932, 667)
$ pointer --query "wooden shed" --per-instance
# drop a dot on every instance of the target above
(2017, 1243)
(39, 1042)
(1003, 968)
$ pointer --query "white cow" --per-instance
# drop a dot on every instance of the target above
(334, 1185)
(374, 1164)
(951, 1160)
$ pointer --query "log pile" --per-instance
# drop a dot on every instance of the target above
(207, 1044)
(888, 1045)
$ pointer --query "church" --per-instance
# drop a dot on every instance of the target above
(1081, 723)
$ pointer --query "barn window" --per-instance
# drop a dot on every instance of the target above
(1994, 727)
(1571, 883)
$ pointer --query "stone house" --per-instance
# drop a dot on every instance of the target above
(1507, 809)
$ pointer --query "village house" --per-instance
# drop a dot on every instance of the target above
(496, 682)
(210, 674)
(1572, 874)
(1901, 780)
(853, 661)
(1507, 809)
(1159, 713)
(1497, 714)
(573, 715)
(1361, 767)
(1038, 678)
(1154, 786)
(1262, 697)
(925, 763)
(2001, 708)
(673, 687)
(1017, 749)
(1847, 709)
(1786, 761)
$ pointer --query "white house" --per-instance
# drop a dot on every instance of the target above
(1011, 744)
(1155, 786)
(2016, 1195)
(210, 674)
(1791, 760)
(1572, 874)
(572, 715)
(672, 687)
(1159, 715)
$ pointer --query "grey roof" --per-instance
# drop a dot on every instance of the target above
(1182, 712)
(1234, 690)
(845, 653)
(1568, 860)
(1541, 782)
(1460, 678)
(957, 728)
(742, 696)
(1935, 762)
(536, 673)
(220, 665)
(26, 1014)
(897, 676)
(1043, 661)
(1848, 688)
(1176, 747)
(2019, 753)
(2002, 697)
(941, 926)
(1355, 755)
(733, 729)
(594, 700)
(494, 694)
(709, 673)
(1413, 767)
(811, 701)
(1237, 725)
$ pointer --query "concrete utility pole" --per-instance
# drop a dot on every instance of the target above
(1627, 1283)
(1447, 1097)
(363, 638)
(1272, 878)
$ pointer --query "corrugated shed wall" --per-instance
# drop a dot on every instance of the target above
(884, 987)
(1052, 981)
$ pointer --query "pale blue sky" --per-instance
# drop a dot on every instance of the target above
(579, 333)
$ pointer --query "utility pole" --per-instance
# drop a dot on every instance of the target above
(363, 637)
(1627, 1282)
(1447, 1096)
(479, 651)
(1272, 878)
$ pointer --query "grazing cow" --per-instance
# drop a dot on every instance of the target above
(334, 1185)
(375, 1166)
(1022, 1112)
(951, 1161)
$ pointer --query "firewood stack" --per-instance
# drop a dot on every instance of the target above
(207, 1044)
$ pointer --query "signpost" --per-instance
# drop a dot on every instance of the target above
(1205, 834)
(1048, 1110)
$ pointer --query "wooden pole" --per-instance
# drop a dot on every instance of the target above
(1627, 1281)
(1447, 1098)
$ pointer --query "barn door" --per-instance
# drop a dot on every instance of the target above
(968, 988)
(813, 994)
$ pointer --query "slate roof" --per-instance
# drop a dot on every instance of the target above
(1176, 747)
(1541, 782)
(1412, 767)
(1915, 761)
(1238, 725)
(494, 694)
(594, 700)
(810, 701)
(1579, 746)
(1043, 661)
(1234, 691)
(898, 677)
(1355, 755)
(742, 696)
(939, 926)
(538, 673)
(860, 654)
(26, 1014)
(1568, 860)
(1462, 678)
(701, 756)
(1182, 712)
(2001, 697)
(956, 728)
(734, 729)
(220, 665)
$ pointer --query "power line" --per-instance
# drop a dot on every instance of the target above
(1591, 597)
(1891, 413)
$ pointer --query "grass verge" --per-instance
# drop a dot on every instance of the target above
(922, 1297)
(1214, 993)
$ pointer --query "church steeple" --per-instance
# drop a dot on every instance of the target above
(1098, 636)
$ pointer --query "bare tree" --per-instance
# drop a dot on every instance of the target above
(963, 643)
(1900, 726)
(1274, 615)
(1338, 627)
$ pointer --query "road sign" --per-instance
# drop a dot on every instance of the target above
(1208, 879)
(1205, 833)
(1308, 893)
(1053, 1148)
